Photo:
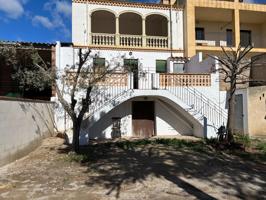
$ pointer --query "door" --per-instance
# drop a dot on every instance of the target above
(245, 38)
(239, 121)
(143, 118)
(132, 66)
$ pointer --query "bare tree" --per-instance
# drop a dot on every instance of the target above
(234, 68)
(82, 78)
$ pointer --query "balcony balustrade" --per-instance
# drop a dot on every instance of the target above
(134, 41)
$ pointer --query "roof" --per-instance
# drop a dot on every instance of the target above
(129, 4)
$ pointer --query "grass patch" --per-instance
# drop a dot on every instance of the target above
(74, 157)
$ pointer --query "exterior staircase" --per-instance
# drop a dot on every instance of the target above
(182, 93)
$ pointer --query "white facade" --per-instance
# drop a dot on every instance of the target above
(82, 12)
(179, 103)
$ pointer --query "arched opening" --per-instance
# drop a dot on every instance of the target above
(156, 25)
(130, 24)
(103, 21)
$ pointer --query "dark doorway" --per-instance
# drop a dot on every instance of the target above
(132, 66)
(245, 38)
(143, 118)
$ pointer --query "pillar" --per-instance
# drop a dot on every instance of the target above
(236, 27)
(143, 32)
(189, 32)
(89, 30)
(117, 38)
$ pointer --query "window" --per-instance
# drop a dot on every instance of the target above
(161, 66)
(245, 37)
(99, 62)
(178, 68)
(99, 65)
(131, 64)
(200, 34)
(229, 37)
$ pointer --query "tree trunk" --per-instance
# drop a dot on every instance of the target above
(76, 130)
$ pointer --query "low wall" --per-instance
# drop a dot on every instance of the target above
(23, 124)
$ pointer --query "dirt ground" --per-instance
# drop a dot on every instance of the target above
(145, 172)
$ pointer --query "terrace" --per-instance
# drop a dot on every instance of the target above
(129, 29)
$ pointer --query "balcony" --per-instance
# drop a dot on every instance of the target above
(129, 30)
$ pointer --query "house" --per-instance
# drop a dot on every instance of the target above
(172, 87)
(156, 96)
(210, 24)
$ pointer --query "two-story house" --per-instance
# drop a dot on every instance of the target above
(155, 97)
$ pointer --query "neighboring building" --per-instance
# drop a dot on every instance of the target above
(210, 24)
(251, 101)
(10, 87)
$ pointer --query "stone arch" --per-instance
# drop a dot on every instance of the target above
(156, 25)
(103, 21)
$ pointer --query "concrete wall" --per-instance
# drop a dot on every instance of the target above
(254, 110)
(22, 126)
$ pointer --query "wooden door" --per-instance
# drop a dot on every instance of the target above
(143, 118)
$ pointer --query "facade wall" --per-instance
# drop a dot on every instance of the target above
(257, 111)
(168, 121)
(22, 126)
(81, 25)
(254, 110)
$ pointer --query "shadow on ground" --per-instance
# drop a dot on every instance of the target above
(181, 163)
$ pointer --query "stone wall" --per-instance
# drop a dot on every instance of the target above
(23, 124)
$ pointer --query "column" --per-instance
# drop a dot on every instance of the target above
(117, 38)
(169, 34)
(88, 36)
(189, 30)
(143, 32)
(236, 27)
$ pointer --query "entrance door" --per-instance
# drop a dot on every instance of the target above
(143, 118)
(132, 65)
(239, 122)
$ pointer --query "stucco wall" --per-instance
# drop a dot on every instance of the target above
(80, 24)
(168, 121)
(22, 126)
(257, 111)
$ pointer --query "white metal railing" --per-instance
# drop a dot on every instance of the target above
(103, 39)
(157, 42)
(131, 40)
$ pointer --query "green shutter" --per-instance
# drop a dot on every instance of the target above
(161, 66)
(99, 62)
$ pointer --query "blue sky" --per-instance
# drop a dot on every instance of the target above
(40, 20)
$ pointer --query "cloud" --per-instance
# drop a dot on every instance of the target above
(44, 21)
(59, 7)
(13, 8)
(59, 12)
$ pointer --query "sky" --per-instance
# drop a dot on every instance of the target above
(41, 20)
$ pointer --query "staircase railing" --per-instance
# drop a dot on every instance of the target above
(198, 102)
